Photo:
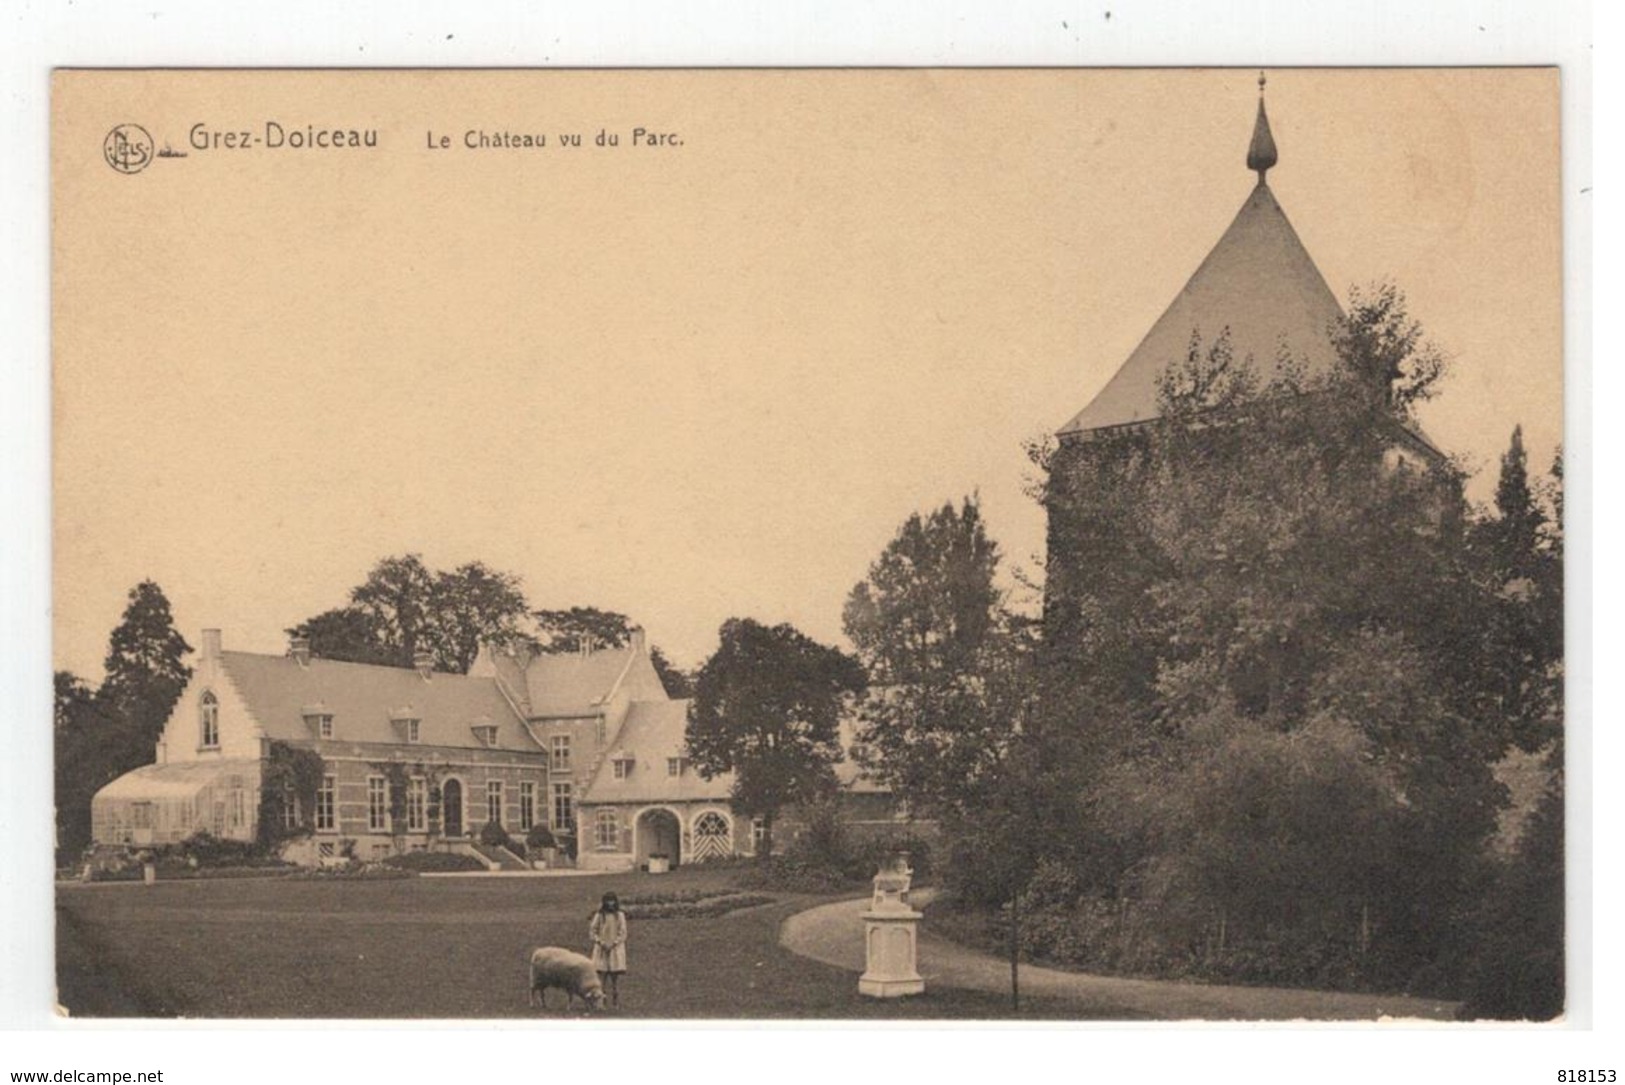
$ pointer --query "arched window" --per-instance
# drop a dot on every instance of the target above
(209, 720)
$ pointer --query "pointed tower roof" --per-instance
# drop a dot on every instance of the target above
(1258, 281)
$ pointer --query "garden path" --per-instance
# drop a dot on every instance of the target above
(833, 934)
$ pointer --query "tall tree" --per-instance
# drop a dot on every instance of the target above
(1256, 582)
(87, 745)
(1517, 555)
(944, 657)
(398, 595)
(145, 670)
(98, 735)
(767, 708)
(470, 605)
(404, 607)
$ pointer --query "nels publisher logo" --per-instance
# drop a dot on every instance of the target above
(128, 148)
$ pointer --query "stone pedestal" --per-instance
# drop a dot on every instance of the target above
(889, 929)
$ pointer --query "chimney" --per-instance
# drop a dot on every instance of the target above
(638, 640)
(211, 644)
(299, 648)
(423, 660)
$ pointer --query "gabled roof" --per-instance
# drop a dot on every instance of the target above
(572, 684)
(655, 731)
(1260, 283)
(363, 698)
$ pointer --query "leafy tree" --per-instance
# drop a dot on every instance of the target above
(349, 634)
(1517, 971)
(1517, 555)
(1269, 629)
(569, 629)
(767, 708)
(944, 656)
(1382, 348)
(404, 607)
(470, 605)
(398, 595)
(929, 603)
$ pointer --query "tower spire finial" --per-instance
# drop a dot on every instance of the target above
(1261, 152)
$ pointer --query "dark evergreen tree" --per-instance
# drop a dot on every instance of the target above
(145, 673)
(85, 743)
(100, 735)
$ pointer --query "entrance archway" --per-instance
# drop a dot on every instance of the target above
(451, 807)
(658, 832)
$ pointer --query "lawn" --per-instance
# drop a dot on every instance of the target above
(444, 948)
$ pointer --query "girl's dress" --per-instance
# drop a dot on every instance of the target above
(608, 932)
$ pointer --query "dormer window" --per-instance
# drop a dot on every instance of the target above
(319, 720)
(209, 721)
(486, 733)
(621, 764)
(406, 723)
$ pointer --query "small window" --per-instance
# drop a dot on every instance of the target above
(417, 804)
(564, 816)
(290, 810)
(623, 768)
(327, 820)
(411, 728)
(486, 733)
(377, 804)
(209, 721)
(561, 753)
(493, 801)
(606, 831)
(676, 766)
(758, 833)
(527, 805)
(320, 724)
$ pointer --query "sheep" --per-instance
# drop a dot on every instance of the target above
(570, 972)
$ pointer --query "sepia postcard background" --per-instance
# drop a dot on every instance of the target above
(703, 380)
(694, 381)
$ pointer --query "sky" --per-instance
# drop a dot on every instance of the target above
(697, 381)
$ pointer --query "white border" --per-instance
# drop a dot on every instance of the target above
(1247, 33)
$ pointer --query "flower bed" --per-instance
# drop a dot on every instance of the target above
(434, 862)
(690, 904)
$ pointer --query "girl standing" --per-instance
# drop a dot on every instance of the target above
(608, 931)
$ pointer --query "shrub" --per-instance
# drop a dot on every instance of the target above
(434, 862)
(539, 837)
(206, 850)
(493, 835)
